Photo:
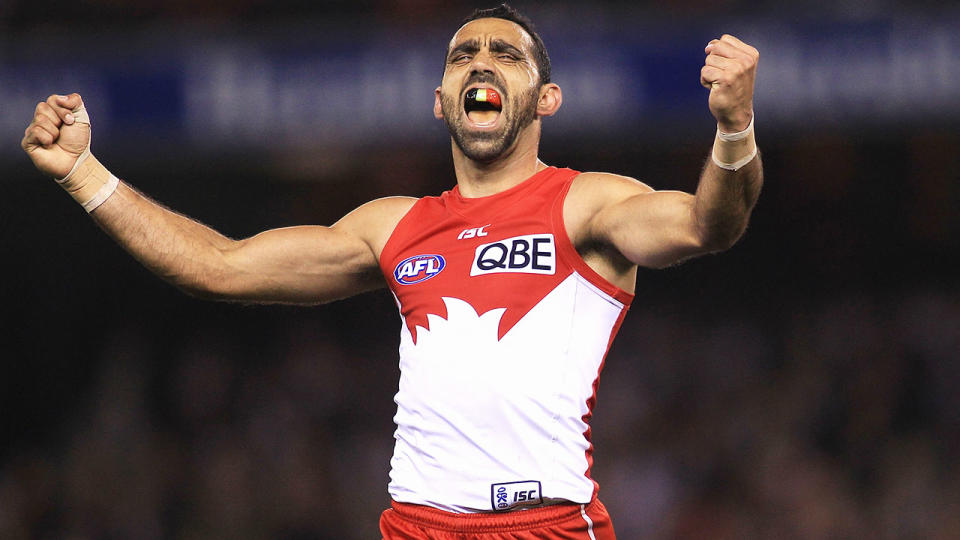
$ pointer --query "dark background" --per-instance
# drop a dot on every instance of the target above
(801, 385)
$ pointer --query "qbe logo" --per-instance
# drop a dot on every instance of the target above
(528, 254)
(510, 494)
(418, 268)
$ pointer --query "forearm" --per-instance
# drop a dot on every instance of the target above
(725, 197)
(182, 251)
(304, 265)
(731, 179)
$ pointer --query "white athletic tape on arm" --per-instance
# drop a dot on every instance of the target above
(732, 151)
(83, 157)
(80, 116)
(102, 194)
(88, 182)
(91, 184)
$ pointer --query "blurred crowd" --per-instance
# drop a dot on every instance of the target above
(842, 423)
(840, 420)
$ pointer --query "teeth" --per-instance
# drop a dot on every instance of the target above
(483, 118)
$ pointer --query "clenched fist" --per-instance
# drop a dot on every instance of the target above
(729, 72)
(58, 134)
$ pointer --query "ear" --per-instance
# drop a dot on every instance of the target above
(550, 100)
(437, 106)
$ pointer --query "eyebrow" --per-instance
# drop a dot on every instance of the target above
(471, 46)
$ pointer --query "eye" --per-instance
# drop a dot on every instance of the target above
(460, 58)
(507, 57)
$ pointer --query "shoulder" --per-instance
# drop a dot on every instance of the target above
(375, 221)
(592, 192)
(384, 208)
(602, 187)
(378, 212)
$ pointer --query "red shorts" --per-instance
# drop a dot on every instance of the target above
(567, 521)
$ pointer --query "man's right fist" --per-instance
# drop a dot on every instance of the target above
(58, 135)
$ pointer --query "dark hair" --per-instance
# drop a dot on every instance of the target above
(503, 11)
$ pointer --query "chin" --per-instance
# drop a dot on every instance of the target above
(483, 151)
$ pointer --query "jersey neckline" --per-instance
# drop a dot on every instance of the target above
(464, 206)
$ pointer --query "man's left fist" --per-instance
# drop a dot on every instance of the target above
(729, 71)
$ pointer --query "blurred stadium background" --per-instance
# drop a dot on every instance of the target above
(802, 385)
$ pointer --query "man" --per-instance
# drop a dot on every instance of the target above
(511, 286)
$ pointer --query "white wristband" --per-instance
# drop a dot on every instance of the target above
(736, 149)
(738, 136)
(736, 164)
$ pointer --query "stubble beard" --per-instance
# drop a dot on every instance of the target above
(487, 146)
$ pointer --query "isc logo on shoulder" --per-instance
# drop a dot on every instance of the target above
(527, 254)
(510, 494)
(418, 268)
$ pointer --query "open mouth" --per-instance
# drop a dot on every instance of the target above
(483, 106)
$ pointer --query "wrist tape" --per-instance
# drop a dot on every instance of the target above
(734, 150)
(88, 182)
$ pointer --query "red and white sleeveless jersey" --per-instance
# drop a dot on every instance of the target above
(505, 329)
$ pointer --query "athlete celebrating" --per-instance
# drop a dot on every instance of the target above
(510, 286)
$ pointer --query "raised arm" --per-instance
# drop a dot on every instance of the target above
(659, 228)
(305, 265)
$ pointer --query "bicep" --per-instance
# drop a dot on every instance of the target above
(315, 264)
(650, 228)
(304, 265)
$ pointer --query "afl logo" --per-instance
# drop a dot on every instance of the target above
(418, 268)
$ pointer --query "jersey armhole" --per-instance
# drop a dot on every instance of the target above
(391, 247)
(568, 252)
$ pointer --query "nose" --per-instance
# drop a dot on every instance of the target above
(482, 63)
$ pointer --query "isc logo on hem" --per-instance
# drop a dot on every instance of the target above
(510, 494)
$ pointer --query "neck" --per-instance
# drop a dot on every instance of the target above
(518, 163)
